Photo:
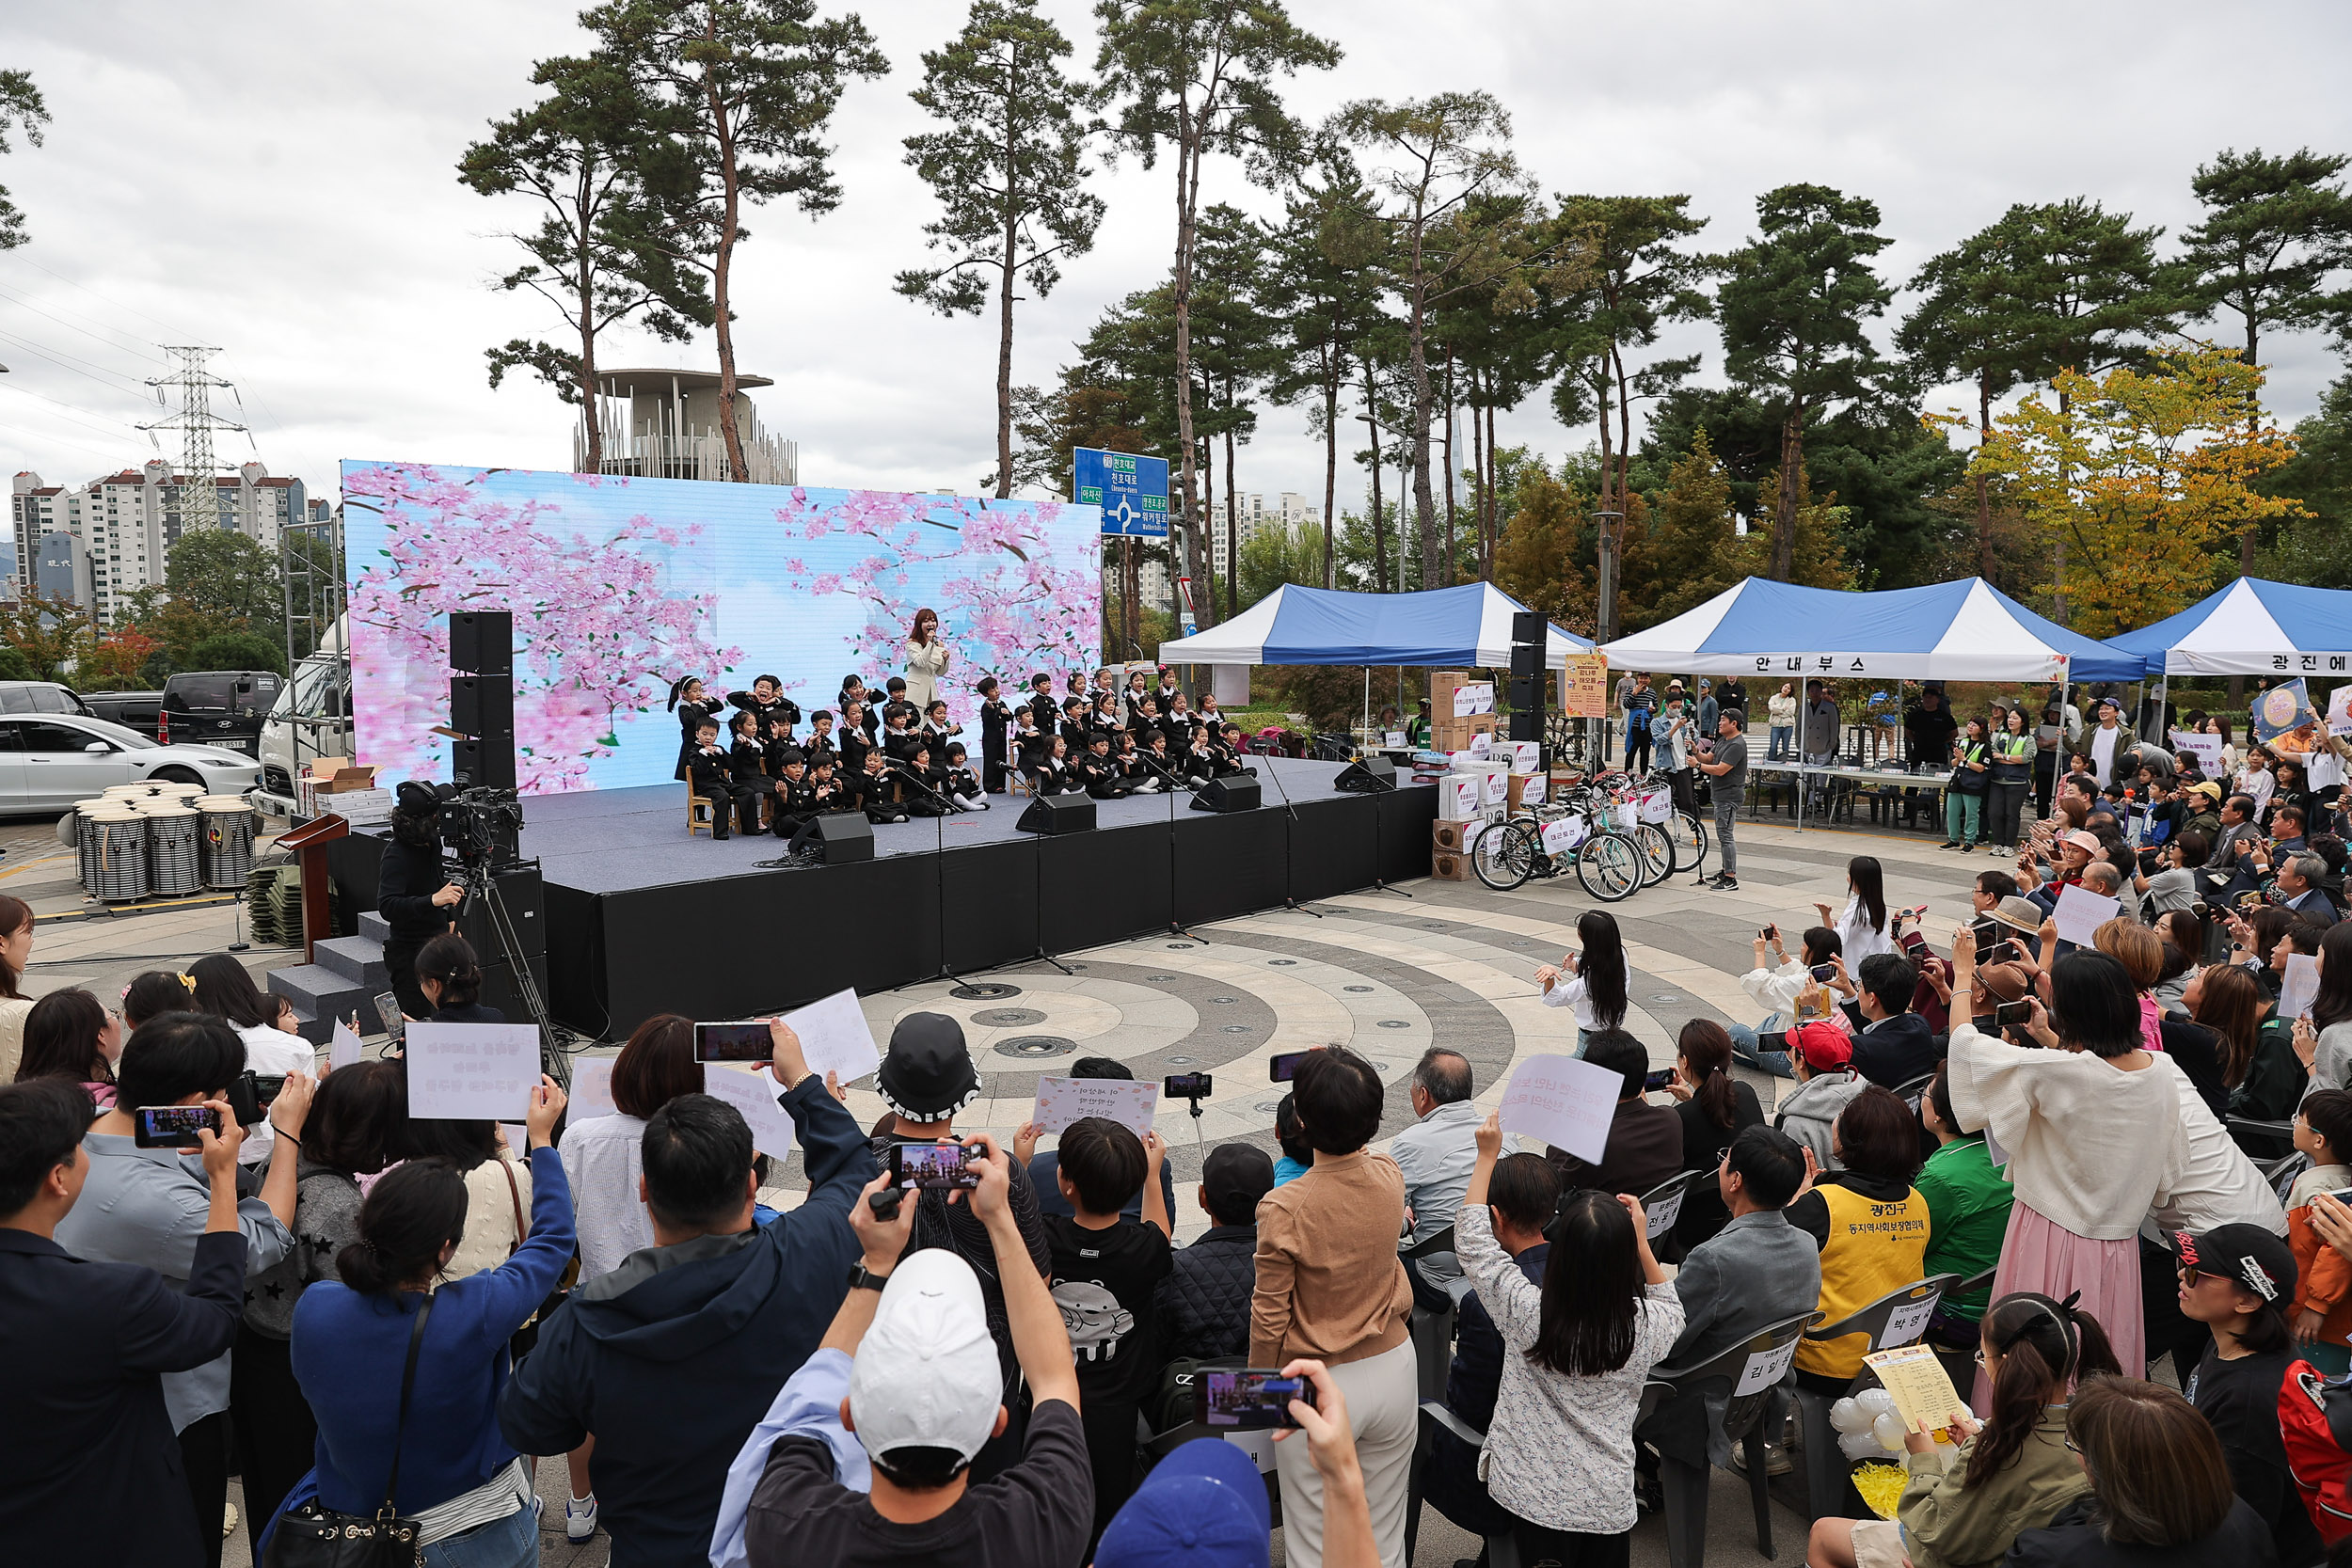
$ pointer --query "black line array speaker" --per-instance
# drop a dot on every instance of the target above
(484, 764)
(838, 836)
(482, 706)
(1058, 813)
(1367, 776)
(1238, 792)
(1530, 640)
(482, 642)
(523, 895)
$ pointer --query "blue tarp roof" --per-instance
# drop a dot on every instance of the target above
(1469, 626)
(2251, 627)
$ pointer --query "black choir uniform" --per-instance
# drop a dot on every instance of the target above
(815, 747)
(900, 745)
(935, 804)
(1177, 727)
(873, 793)
(692, 716)
(713, 778)
(1046, 711)
(869, 720)
(747, 765)
(1105, 778)
(855, 743)
(1057, 776)
(958, 783)
(795, 804)
(996, 716)
(783, 707)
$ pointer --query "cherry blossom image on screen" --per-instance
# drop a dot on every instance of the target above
(619, 586)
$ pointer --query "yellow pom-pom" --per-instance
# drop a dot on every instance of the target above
(1881, 1485)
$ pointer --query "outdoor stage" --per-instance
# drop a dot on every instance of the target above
(641, 919)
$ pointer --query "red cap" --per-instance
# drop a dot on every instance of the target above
(1823, 1045)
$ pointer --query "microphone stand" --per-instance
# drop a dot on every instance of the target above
(1175, 927)
(1290, 848)
(939, 866)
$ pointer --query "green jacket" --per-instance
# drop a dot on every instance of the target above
(1968, 1201)
(1947, 1527)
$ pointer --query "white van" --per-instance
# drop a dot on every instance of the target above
(311, 718)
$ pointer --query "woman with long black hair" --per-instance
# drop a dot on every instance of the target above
(457, 1476)
(1714, 1107)
(451, 978)
(16, 951)
(69, 1034)
(225, 989)
(1598, 983)
(1863, 928)
(2014, 1473)
(1559, 1453)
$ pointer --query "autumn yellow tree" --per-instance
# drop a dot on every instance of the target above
(2132, 479)
(1535, 560)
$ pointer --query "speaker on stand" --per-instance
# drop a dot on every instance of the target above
(1530, 641)
(503, 914)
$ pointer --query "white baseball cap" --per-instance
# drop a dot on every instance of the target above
(925, 1375)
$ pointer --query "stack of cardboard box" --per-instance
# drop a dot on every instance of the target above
(1448, 733)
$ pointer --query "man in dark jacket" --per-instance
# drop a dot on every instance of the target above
(93, 1471)
(412, 894)
(673, 1358)
(1894, 1044)
(1523, 1192)
(1204, 1302)
(1645, 1141)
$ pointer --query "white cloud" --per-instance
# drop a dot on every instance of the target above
(277, 179)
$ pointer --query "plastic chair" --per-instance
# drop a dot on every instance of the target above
(1433, 1332)
(1502, 1549)
(1153, 1447)
(1663, 1204)
(1897, 1318)
(2263, 1141)
(1768, 1354)
(1914, 1091)
(1960, 1365)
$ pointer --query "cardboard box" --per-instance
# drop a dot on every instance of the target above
(1529, 790)
(1455, 735)
(335, 775)
(1526, 757)
(1459, 797)
(1448, 837)
(1446, 867)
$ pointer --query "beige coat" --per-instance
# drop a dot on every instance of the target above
(926, 663)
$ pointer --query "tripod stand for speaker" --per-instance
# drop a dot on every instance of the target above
(1175, 927)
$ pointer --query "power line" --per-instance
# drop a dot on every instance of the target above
(85, 331)
(116, 302)
(70, 362)
(93, 429)
(93, 413)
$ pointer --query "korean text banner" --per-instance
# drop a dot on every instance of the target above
(619, 586)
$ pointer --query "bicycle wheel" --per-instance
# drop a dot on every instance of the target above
(1609, 867)
(1658, 852)
(1689, 839)
(1504, 855)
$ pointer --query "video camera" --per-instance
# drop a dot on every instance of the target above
(476, 823)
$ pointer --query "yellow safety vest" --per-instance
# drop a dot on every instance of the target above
(1873, 1247)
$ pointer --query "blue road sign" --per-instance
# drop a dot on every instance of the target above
(1131, 490)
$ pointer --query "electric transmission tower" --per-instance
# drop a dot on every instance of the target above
(199, 497)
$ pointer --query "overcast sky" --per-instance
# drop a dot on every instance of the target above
(275, 179)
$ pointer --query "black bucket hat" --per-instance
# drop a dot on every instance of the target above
(927, 1074)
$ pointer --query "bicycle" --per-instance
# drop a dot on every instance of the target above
(1583, 829)
(1682, 829)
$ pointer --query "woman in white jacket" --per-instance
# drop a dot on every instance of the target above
(927, 660)
(1789, 991)
(2094, 1137)
(1598, 983)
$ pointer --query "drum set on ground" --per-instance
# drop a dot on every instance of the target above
(1619, 832)
(160, 840)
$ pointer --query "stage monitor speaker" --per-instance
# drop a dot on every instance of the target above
(1058, 813)
(522, 894)
(1527, 626)
(483, 705)
(502, 986)
(838, 837)
(1527, 695)
(1237, 793)
(1367, 776)
(484, 764)
(482, 642)
(1527, 660)
(1527, 727)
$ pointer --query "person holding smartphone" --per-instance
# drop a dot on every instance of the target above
(149, 1206)
(1595, 984)
(95, 1471)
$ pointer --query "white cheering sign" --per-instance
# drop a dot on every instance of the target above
(2080, 913)
(471, 1072)
(591, 1091)
(754, 1094)
(1063, 1100)
(1567, 1103)
(835, 1036)
(343, 1050)
(2299, 988)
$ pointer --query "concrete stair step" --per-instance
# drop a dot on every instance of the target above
(376, 927)
(322, 995)
(358, 960)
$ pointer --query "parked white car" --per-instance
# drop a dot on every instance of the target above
(50, 760)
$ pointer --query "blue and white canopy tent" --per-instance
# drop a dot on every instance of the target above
(2251, 627)
(1467, 627)
(1966, 630)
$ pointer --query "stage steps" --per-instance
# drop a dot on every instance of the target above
(346, 979)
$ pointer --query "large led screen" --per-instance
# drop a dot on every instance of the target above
(618, 586)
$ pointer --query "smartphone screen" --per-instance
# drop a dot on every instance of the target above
(388, 1008)
(172, 1126)
(1282, 1068)
(1770, 933)
(1988, 937)
(732, 1042)
(2012, 1014)
(932, 1165)
(2007, 953)
(1825, 972)
(1186, 1085)
(1658, 1080)
(1253, 1399)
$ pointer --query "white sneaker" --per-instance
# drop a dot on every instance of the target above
(580, 1517)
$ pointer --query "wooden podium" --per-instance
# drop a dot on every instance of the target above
(311, 841)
